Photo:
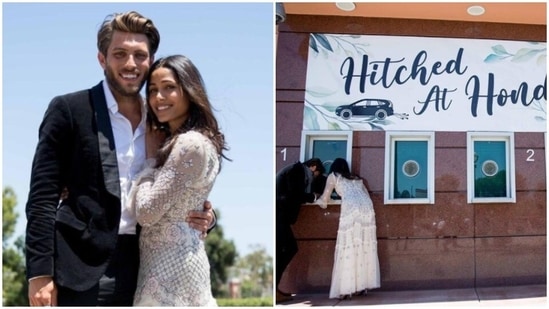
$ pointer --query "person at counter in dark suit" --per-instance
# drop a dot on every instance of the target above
(293, 185)
(319, 179)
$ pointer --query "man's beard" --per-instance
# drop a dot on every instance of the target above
(118, 88)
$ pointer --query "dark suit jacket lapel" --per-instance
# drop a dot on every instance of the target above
(105, 137)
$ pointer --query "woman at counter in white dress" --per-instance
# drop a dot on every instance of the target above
(356, 264)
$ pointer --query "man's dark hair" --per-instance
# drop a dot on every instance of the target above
(132, 22)
(316, 162)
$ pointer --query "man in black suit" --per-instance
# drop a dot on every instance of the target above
(293, 184)
(82, 246)
(319, 179)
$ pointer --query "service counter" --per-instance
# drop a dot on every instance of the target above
(447, 245)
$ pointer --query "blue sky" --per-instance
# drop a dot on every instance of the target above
(50, 49)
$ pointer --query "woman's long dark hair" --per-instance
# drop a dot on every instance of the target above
(201, 117)
(340, 166)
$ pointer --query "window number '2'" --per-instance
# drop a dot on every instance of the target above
(530, 155)
(283, 151)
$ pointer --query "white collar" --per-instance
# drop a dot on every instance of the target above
(111, 101)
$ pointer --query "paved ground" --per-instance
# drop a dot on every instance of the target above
(527, 296)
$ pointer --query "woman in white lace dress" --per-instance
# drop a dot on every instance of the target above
(174, 269)
(356, 264)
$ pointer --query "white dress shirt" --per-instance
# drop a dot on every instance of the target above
(130, 153)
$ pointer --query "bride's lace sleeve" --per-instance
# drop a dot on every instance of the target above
(154, 193)
(322, 201)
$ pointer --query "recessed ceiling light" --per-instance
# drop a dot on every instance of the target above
(346, 6)
(476, 10)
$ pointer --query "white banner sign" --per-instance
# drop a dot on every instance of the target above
(368, 82)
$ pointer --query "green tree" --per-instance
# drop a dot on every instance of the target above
(14, 287)
(255, 271)
(221, 254)
(9, 215)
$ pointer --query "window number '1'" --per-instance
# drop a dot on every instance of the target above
(530, 155)
(283, 151)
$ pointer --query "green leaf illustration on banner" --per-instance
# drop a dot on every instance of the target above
(322, 40)
(312, 43)
(338, 43)
(376, 127)
(500, 50)
(522, 55)
(525, 54)
(542, 59)
(333, 126)
(494, 58)
(320, 92)
(350, 48)
(541, 106)
(310, 120)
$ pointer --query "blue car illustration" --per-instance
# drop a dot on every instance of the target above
(379, 108)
